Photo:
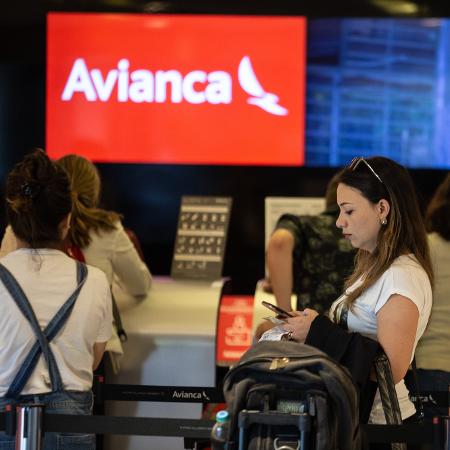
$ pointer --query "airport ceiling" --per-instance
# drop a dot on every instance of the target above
(32, 11)
(22, 22)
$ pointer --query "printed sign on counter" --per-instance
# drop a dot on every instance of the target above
(201, 237)
(234, 330)
(275, 207)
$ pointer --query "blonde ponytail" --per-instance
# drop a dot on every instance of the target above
(86, 216)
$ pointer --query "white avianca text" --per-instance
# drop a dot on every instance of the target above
(143, 85)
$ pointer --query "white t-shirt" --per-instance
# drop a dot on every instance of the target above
(407, 278)
(48, 278)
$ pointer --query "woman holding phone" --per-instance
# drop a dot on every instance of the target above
(388, 296)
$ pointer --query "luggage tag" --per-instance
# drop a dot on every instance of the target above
(274, 334)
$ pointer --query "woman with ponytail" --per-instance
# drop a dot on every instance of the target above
(99, 233)
(100, 236)
(55, 312)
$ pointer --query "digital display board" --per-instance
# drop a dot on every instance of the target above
(171, 89)
(378, 86)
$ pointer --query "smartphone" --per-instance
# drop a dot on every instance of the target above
(276, 309)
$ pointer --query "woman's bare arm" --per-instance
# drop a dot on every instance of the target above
(397, 325)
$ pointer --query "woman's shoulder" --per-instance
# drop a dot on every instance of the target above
(407, 277)
(406, 262)
(97, 276)
(106, 233)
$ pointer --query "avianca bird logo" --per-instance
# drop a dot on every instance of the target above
(250, 84)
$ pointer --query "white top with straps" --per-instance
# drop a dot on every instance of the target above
(48, 278)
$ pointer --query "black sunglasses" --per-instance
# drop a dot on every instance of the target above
(355, 163)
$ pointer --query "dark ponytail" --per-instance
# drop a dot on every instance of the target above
(37, 200)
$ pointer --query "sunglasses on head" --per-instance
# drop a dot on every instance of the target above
(357, 161)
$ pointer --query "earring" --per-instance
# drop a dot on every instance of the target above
(383, 221)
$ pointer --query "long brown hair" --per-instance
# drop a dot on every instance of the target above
(37, 200)
(86, 215)
(404, 232)
(437, 217)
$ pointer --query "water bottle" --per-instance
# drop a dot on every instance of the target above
(219, 432)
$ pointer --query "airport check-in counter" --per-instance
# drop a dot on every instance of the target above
(171, 342)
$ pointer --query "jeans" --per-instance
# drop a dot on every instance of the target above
(67, 402)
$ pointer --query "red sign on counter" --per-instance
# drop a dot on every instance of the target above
(234, 330)
(176, 89)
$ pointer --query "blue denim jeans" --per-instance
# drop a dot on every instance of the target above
(67, 402)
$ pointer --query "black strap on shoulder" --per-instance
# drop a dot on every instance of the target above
(118, 320)
(420, 412)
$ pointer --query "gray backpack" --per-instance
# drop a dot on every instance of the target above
(288, 396)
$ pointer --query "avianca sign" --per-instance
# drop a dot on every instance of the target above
(178, 89)
(144, 86)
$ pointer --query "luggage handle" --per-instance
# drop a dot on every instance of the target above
(301, 420)
(284, 446)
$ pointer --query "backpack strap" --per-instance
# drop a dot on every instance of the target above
(420, 410)
(118, 320)
(388, 394)
(43, 337)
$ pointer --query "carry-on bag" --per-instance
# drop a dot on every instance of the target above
(284, 395)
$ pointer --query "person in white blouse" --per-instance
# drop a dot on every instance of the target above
(102, 238)
(388, 297)
(99, 233)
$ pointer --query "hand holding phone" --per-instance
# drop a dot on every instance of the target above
(281, 313)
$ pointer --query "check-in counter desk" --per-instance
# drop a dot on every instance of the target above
(171, 342)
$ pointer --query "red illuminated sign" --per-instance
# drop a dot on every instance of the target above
(234, 329)
(176, 89)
